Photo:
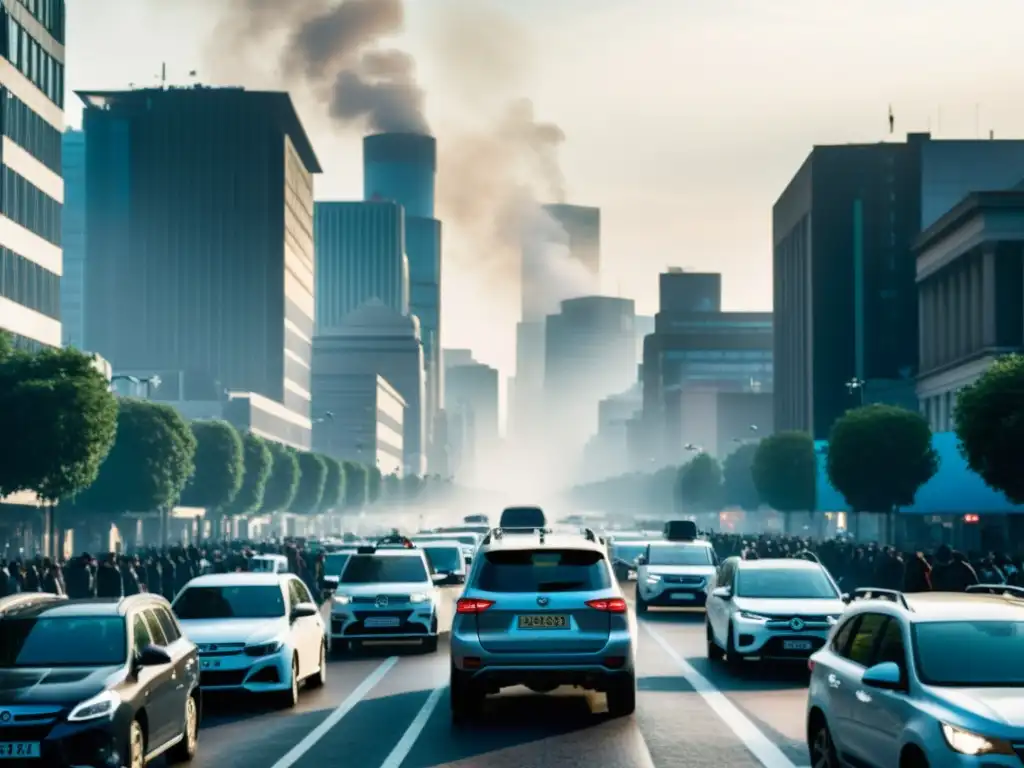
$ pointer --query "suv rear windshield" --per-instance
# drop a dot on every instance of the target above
(523, 517)
(992, 657)
(384, 569)
(95, 641)
(545, 570)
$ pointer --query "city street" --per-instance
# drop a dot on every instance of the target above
(390, 709)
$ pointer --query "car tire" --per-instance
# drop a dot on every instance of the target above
(465, 697)
(135, 749)
(621, 696)
(820, 747)
(641, 604)
(732, 657)
(430, 643)
(340, 648)
(319, 679)
(715, 652)
(185, 750)
(290, 698)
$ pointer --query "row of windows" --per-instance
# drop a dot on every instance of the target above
(27, 205)
(49, 13)
(25, 53)
(719, 354)
(25, 282)
(32, 133)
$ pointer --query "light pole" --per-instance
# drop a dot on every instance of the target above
(856, 385)
(151, 382)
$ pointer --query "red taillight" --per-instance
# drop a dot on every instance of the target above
(610, 605)
(810, 665)
(472, 605)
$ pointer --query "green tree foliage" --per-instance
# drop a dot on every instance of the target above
(356, 485)
(989, 421)
(61, 417)
(312, 479)
(334, 484)
(785, 472)
(258, 462)
(374, 481)
(700, 483)
(738, 484)
(283, 482)
(150, 463)
(412, 487)
(879, 456)
(219, 463)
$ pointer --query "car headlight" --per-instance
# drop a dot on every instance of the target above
(752, 616)
(653, 578)
(102, 705)
(969, 743)
(832, 619)
(419, 597)
(342, 600)
(263, 649)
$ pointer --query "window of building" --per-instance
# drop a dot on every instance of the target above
(30, 207)
(26, 283)
(25, 53)
(31, 132)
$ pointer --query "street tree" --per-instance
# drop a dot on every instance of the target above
(58, 410)
(283, 482)
(700, 483)
(356, 484)
(258, 462)
(334, 484)
(373, 482)
(220, 466)
(785, 472)
(879, 456)
(738, 478)
(989, 421)
(312, 479)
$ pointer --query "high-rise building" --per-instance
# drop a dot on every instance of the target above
(845, 297)
(582, 225)
(475, 386)
(577, 234)
(360, 255)
(683, 291)
(32, 79)
(72, 283)
(199, 259)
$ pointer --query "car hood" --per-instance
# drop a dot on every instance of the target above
(372, 590)
(681, 570)
(1001, 705)
(781, 607)
(61, 686)
(206, 631)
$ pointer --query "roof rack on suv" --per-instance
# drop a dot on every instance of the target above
(589, 535)
(876, 593)
(1004, 590)
(499, 533)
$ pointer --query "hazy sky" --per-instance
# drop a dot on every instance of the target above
(684, 118)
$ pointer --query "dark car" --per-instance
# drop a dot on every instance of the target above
(95, 682)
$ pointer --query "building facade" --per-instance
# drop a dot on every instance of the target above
(32, 188)
(375, 340)
(970, 282)
(199, 255)
(360, 255)
(845, 295)
(72, 283)
(473, 386)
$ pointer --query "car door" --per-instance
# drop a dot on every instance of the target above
(718, 610)
(848, 664)
(184, 658)
(879, 716)
(306, 631)
(157, 683)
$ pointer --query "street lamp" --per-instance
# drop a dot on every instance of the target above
(151, 382)
(856, 385)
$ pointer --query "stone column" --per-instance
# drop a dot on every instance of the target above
(988, 295)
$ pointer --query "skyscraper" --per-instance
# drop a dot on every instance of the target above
(360, 255)
(72, 283)
(199, 260)
(32, 80)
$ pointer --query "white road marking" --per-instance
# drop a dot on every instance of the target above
(295, 753)
(763, 748)
(408, 740)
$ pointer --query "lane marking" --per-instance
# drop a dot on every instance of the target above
(295, 753)
(408, 741)
(763, 748)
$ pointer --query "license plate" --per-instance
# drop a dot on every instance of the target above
(796, 645)
(12, 750)
(544, 621)
(684, 596)
(382, 621)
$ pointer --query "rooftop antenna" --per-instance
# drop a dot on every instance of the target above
(892, 120)
(163, 75)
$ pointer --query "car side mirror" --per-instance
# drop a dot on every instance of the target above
(328, 584)
(887, 676)
(724, 593)
(845, 597)
(304, 611)
(439, 578)
(642, 560)
(152, 656)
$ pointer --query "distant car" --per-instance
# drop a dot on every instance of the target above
(334, 564)
(447, 561)
(469, 541)
(522, 518)
(542, 611)
(96, 682)
(268, 564)
(261, 633)
(674, 574)
(931, 679)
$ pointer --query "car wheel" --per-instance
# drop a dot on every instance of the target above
(185, 749)
(290, 698)
(430, 643)
(732, 658)
(822, 749)
(621, 695)
(466, 698)
(715, 653)
(136, 749)
(641, 604)
(319, 680)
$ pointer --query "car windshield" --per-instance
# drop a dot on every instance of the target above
(234, 602)
(73, 641)
(548, 570)
(991, 653)
(628, 552)
(384, 569)
(334, 563)
(785, 583)
(680, 555)
(444, 559)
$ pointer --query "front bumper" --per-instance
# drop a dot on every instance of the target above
(413, 622)
(680, 592)
(763, 639)
(55, 743)
(241, 672)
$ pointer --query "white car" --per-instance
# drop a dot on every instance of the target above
(770, 609)
(674, 574)
(257, 632)
(268, 564)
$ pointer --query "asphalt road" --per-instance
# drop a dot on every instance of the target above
(389, 709)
